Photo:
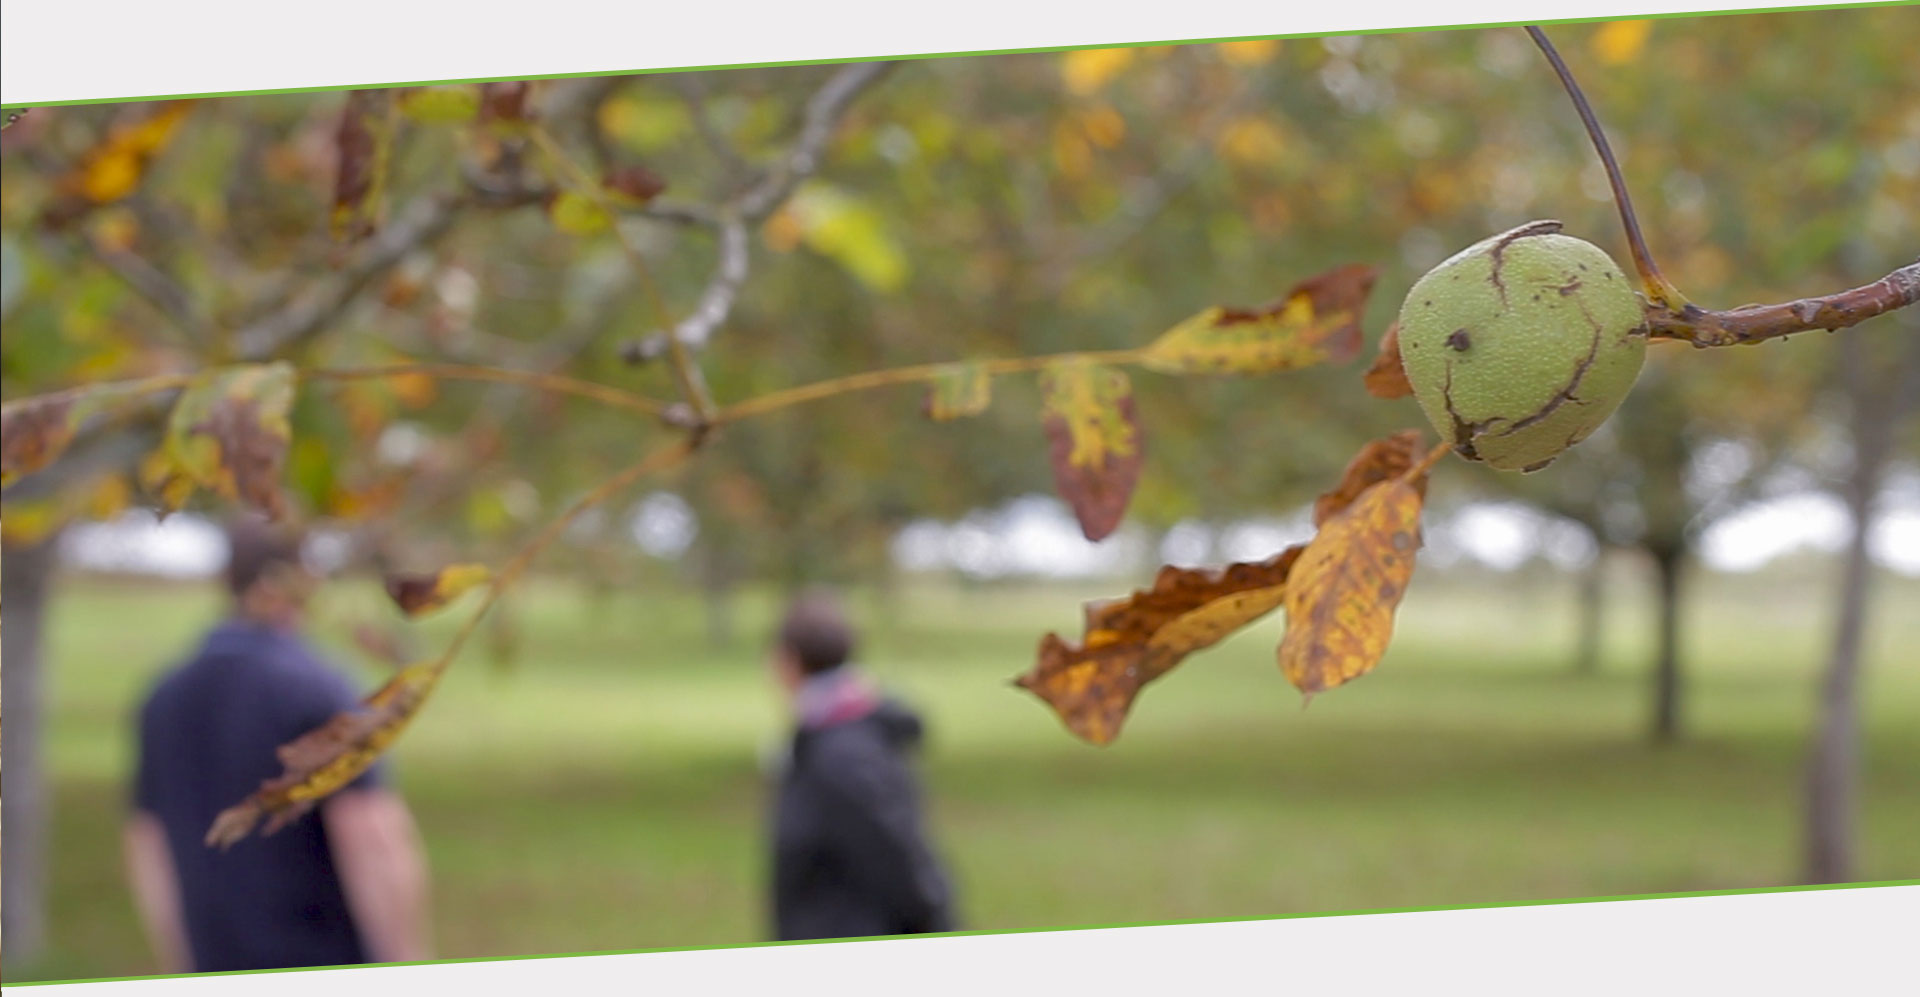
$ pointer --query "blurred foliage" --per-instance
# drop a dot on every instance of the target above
(966, 208)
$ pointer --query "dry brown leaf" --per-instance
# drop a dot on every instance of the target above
(1386, 378)
(1130, 642)
(1381, 459)
(418, 595)
(328, 757)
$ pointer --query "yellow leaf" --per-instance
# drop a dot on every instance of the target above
(1087, 70)
(1249, 53)
(958, 391)
(1341, 597)
(578, 214)
(1618, 42)
(1317, 321)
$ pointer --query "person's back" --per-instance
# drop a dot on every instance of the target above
(344, 883)
(850, 852)
(208, 737)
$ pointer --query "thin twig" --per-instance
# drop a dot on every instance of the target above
(1658, 287)
(157, 288)
(774, 401)
(557, 383)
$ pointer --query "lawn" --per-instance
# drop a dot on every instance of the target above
(605, 793)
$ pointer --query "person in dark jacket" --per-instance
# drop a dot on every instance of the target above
(850, 851)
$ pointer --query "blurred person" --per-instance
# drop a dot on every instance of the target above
(343, 884)
(850, 853)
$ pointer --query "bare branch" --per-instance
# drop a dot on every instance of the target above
(716, 301)
(1758, 323)
(423, 221)
(157, 288)
(821, 116)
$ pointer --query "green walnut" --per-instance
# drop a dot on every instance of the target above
(1520, 346)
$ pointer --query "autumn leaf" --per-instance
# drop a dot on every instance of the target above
(959, 390)
(228, 433)
(328, 757)
(634, 184)
(503, 106)
(115, 166)
(33, 432)
(440, 105)
(1317, 321)
(362, 144)
(578, 214)
(1341, 598)
(1093, 441)
(1130, 642)
(418, 595)
(1381, 459)
(1386, 378)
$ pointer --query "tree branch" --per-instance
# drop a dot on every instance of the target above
(818, 121)
(157, 288)
(1758, 323)
(423, 221)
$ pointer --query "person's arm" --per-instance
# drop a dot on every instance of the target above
(156, 891)
(382, 869)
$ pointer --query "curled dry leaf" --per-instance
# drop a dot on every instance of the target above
(361, 144)
(1317, 321)
(1341, 599)
(328, 757)
(1386, 378)
(228, 433)
(1130, 642)
(418, 595)
(1381, 459)
(1093, 441)
(959, 390)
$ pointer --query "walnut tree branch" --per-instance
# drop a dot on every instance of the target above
(1758, 323)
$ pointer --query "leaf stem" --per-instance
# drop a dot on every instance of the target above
(1658, 287)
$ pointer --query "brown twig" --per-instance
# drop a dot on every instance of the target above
(1659, 288)
(1758, 323)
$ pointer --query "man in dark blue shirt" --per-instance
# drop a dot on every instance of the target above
(344, 884)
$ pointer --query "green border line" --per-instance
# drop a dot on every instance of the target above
(332, 88)
(1626, 898)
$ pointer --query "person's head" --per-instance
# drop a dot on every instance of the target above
(265, 575)
(814, 638)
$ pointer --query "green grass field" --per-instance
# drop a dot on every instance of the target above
(605, 793)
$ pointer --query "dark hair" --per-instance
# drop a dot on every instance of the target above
(817, 633)
(254, 548)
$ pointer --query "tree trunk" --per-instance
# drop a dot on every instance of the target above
(1668, 562)
(1591, 615)
(1834, 762)
(25, 584)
